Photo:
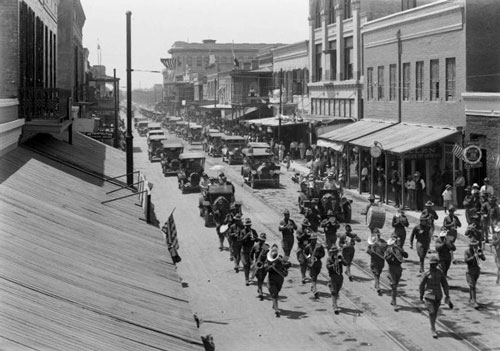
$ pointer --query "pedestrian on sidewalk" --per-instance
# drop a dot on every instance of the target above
(302, 149)
(495, 243)
(447, 197)
(472, 255)
(460, 188)
(281, 151)
(288, 160)
(419, 191)
(410, 197)
(294, 147)
(431, 289)
(396, 187)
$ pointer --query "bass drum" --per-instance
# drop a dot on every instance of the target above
(375, 218)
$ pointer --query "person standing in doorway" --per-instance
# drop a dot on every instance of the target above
(302, 149)
(419, 190)
(460, 188)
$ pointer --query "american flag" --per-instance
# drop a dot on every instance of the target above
(169, 63)
(171, 232)
(458, 151)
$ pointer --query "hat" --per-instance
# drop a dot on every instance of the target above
(237, 217)
(497, 228)
(486, 179)
(286, 212)
(475, 185)
(417, 174)
(443, 233)
(306, 223)
(329, 213)
(248, 221)
(272, 255)
(334, 248)
(262, 236)
(429, 203)
(451, 208)
(448, 186)
(473, 242)
(348, 227)
(371, 197)
(313, 236)
(434, 260)
(392, 240)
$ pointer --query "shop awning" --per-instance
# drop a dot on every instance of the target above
(330, 144)
(237, 115)
(218, 106)
(355, 130)
(401, 138)
(274, 121)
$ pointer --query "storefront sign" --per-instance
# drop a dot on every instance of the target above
(472, 154)
(475, 165)
(427, 152)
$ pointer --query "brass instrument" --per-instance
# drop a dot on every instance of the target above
(257, 264)
(283, 272)
(311, 258)
(477, 252)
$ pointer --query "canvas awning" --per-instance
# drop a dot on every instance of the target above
(218, 106)
(274, 122)
(355, 130)
(402, 138)
(330, 144)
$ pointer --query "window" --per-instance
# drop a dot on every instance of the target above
(348, 51)
(392, 82)
(406, 81)
(189, 61)
(199, 61)
(434, 89)
(318, 67)
(419, 81)
(369, 83)
(450, 79)
(347, 9)
(331, 12)
(317, 16)
(380, 82)
(333, 59)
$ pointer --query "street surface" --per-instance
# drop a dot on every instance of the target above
(238, 320)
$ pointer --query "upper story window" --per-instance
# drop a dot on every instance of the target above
(199, 61)
(419, 80)
(317, 16)
(347, 9)
(434, 80)
(392, 82)
(318, 68)
(450, 79)
(331, 12)
(380, 82)
(406, 81)
(369, 83)
(332, 46)
(348, 57)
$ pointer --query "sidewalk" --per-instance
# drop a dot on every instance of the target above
(299, 166)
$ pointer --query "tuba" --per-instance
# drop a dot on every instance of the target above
(257, 264)
(311, 258)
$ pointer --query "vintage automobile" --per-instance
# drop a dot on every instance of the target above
(170, 123)
(191, 168)
(142, 127)
(214, 144)
(218, 200)
(181, 129)
(231, 149)
(259, 168)
(194, 134)
(153, 126)
(156, 133)
(259, 145)
(170, 162)
(139, 119)
(155, 147)
(313, 195)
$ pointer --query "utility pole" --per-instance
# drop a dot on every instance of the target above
(130, 155)
(116, 129)
(281, 105)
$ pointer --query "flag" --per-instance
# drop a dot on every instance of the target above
(211, 60)
(235, 61)
(169, 63)
(458, 151)
(171, 237)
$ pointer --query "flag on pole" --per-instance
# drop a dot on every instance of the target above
(458, 151)
(235, 60)
(170, 231)
(169, 63)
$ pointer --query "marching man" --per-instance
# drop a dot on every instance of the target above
(287, 228)
(277, 270)
(314, 252)
(334, 265)
(258, 254)
(394, 256)
(376, 249)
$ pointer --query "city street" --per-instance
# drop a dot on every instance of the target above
(238, 320)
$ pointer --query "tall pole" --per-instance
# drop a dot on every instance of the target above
(281, 107)
(130, 155)
(116, 129)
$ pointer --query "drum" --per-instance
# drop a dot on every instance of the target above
(375, 218)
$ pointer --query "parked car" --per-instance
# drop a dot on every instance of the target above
(170, 162)
(194, 134)
(259, 168)
(214, 144)
(156, 133)
(192, 165)
(155, 147)
(231, 150)
(218, 200)
(142, 127)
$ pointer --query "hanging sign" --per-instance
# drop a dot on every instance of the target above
(472, 154)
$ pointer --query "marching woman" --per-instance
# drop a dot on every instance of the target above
(277, 270)
(303, 237)
(394, 256)
(334, 264)
(287, 228)
(346, 243)
(376, 249)
(258, 255)
(421, 233)
(314, 252)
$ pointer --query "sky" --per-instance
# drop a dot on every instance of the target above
(157, 24)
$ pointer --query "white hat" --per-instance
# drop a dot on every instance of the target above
(475, 185)
(443, 233)
(391, 241)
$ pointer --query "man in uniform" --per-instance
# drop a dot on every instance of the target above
(444, 248)
(287, 227)
(303, 237)
(421, 234)
(371, 202)
(258, 255)
(314, 252)
(430, 290)
(234, 233)
(451, 223)
(346, 244)
(431, 215)
(334, 264)
(376, 249)
(277, 270)
(394, 256)
(330, 227)
(472, 255)
(399, 223)
(247, 237)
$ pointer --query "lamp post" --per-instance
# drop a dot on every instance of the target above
(281, 105)
(128, 138)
